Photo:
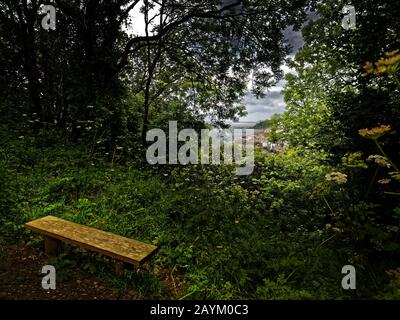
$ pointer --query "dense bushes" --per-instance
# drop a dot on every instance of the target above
(270, 236)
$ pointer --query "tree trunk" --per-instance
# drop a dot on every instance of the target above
(27, 38)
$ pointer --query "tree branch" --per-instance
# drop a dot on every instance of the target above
(212, 14)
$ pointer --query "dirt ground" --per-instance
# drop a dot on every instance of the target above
(20, 279)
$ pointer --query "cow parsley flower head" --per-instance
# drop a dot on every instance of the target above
(380, 160)
(374, 133)
(338, 177)
(389, 63)
(384, 181)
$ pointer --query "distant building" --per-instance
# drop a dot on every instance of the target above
(259, 137)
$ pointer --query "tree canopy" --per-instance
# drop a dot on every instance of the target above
(91, 66)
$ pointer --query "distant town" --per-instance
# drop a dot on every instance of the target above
(262, 131)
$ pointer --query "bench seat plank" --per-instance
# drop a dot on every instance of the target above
(117, 247)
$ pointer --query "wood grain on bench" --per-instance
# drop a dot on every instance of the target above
(117, 247)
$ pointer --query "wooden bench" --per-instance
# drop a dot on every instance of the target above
(119, 248)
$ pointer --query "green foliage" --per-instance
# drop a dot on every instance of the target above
(230, 237)
(73, 149)
(279, 290)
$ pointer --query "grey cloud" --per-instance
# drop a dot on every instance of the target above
(294, 39)
(273, 103)
(263, 108)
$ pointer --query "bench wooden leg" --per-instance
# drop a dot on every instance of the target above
(51, 245)
(119, 269)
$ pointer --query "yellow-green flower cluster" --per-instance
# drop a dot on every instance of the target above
(395, 175)
(338, 177)
(390, 63)
(374, 133)
(380, 160)
(384, 181)
(354, 160)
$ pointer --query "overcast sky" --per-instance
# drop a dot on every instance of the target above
(272, 103)
(258, 109)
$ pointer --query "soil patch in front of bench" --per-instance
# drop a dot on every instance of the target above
(20, 279)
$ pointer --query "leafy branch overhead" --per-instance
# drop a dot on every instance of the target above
(92, 55)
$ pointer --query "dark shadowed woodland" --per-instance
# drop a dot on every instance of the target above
(76, 103)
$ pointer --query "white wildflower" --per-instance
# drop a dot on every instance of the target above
(338, 177)
(384, 181)
(380, 160)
